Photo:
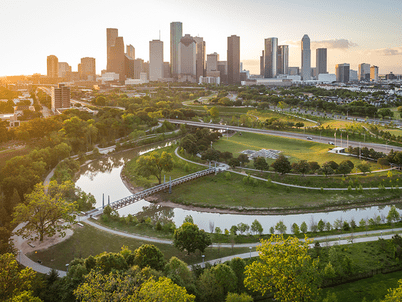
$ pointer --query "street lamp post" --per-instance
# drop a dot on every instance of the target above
(203, 264)
(250, 251)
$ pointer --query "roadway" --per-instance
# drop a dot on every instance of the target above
(315, 138)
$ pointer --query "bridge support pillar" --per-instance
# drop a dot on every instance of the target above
(103, 200)
(170, 184)
(108, 200)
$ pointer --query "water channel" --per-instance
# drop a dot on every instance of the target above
(102, 178)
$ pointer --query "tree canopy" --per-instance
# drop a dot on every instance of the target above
(190, 238)
(154, 164)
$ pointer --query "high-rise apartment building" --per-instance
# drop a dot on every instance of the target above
(200, 57)
(130, 51)
(342, 72)
(60, 97)
(321, 61)
(52, 66)
(223, 71)
(283, 59)
(233, 60)
(176, 33)
(138, 68)
(374, 73)
(155, 60)
(187, 59)
(305, 58)
(111, 35)
(270, 57)
(64, 70)
(166, 70)
(88, 69)
(128, 67)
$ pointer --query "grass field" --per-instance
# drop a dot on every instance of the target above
(232, 192)
(296, 149)
(7, 154)
(88, 241)
(374, 288)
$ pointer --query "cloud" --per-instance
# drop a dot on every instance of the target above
(333, 44)
(330, 44)
(395, 51)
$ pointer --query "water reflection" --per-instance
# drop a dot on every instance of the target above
(103, 177)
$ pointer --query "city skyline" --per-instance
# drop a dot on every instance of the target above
(354, 33)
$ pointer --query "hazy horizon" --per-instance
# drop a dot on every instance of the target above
(353, 31)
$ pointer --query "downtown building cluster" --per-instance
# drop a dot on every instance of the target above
(189, 62)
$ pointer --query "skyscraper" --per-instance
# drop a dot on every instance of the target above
(364, 72)
(176, 33)
(233, 60)
(130, 51)
(111, 35)
(88, 69)
(283, 59)
(212, 65)
(52, 66)
(200, 56)
(116, 62)
(187, 59)
(262, 64)
(305, 58)
(321, 61)
(155, 60)
(374, 73)
(271, 57)
(342, 72)
(60, 97)
(64, 70)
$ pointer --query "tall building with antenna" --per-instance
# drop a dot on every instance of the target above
(305, 58)
(176, 33)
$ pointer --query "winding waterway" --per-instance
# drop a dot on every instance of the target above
(102, 179)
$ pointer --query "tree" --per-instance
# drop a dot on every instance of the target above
(281, 165)
(190, 238)
(393, 215)
(256, 227)
(286, 269)
(163, 290)
(281, 227)
(344, 168)
(233, 297)
(243, 158)
(261, 164)
(383, 161)
(154, 164)
(243, 227)
(321, 225)
(13, 281)
(314, 166)
(216, 282)
(234, 162)
(295, 229)
(214, 112)
(149, 255)
(326, 169)
(303, 167)
(394, 294)
(178, 271)
(303, 227)
(46, 213)
(364, 167)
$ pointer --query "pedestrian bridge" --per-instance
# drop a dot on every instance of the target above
(118, 204)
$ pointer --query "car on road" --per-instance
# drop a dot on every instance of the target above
(331, 143)
(309, 138)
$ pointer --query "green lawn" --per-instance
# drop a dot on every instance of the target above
(374, 288)
(295, 148)
(231, 192)
(88, 241)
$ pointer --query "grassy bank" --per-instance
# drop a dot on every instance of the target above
(88, 241)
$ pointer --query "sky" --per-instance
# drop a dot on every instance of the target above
(354, 31)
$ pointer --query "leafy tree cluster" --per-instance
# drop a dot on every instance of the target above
(199, 141)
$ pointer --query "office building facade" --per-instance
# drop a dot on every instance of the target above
(187, 71)
(200, 57)
(270, 57)
(305, 58)
(342, 72)
(111, 35)
(283, 59)
(233, 60)
(374, 73)
(176, 33)
(321, 61)
(88, 69)
(116, 60)
(364, 72)
(130, 51)
(64, 70)
(155, 60)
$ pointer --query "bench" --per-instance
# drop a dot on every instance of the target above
(80, 224)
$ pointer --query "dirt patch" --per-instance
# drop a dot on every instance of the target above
(29, 246)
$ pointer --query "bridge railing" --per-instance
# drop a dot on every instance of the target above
(147, 192)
